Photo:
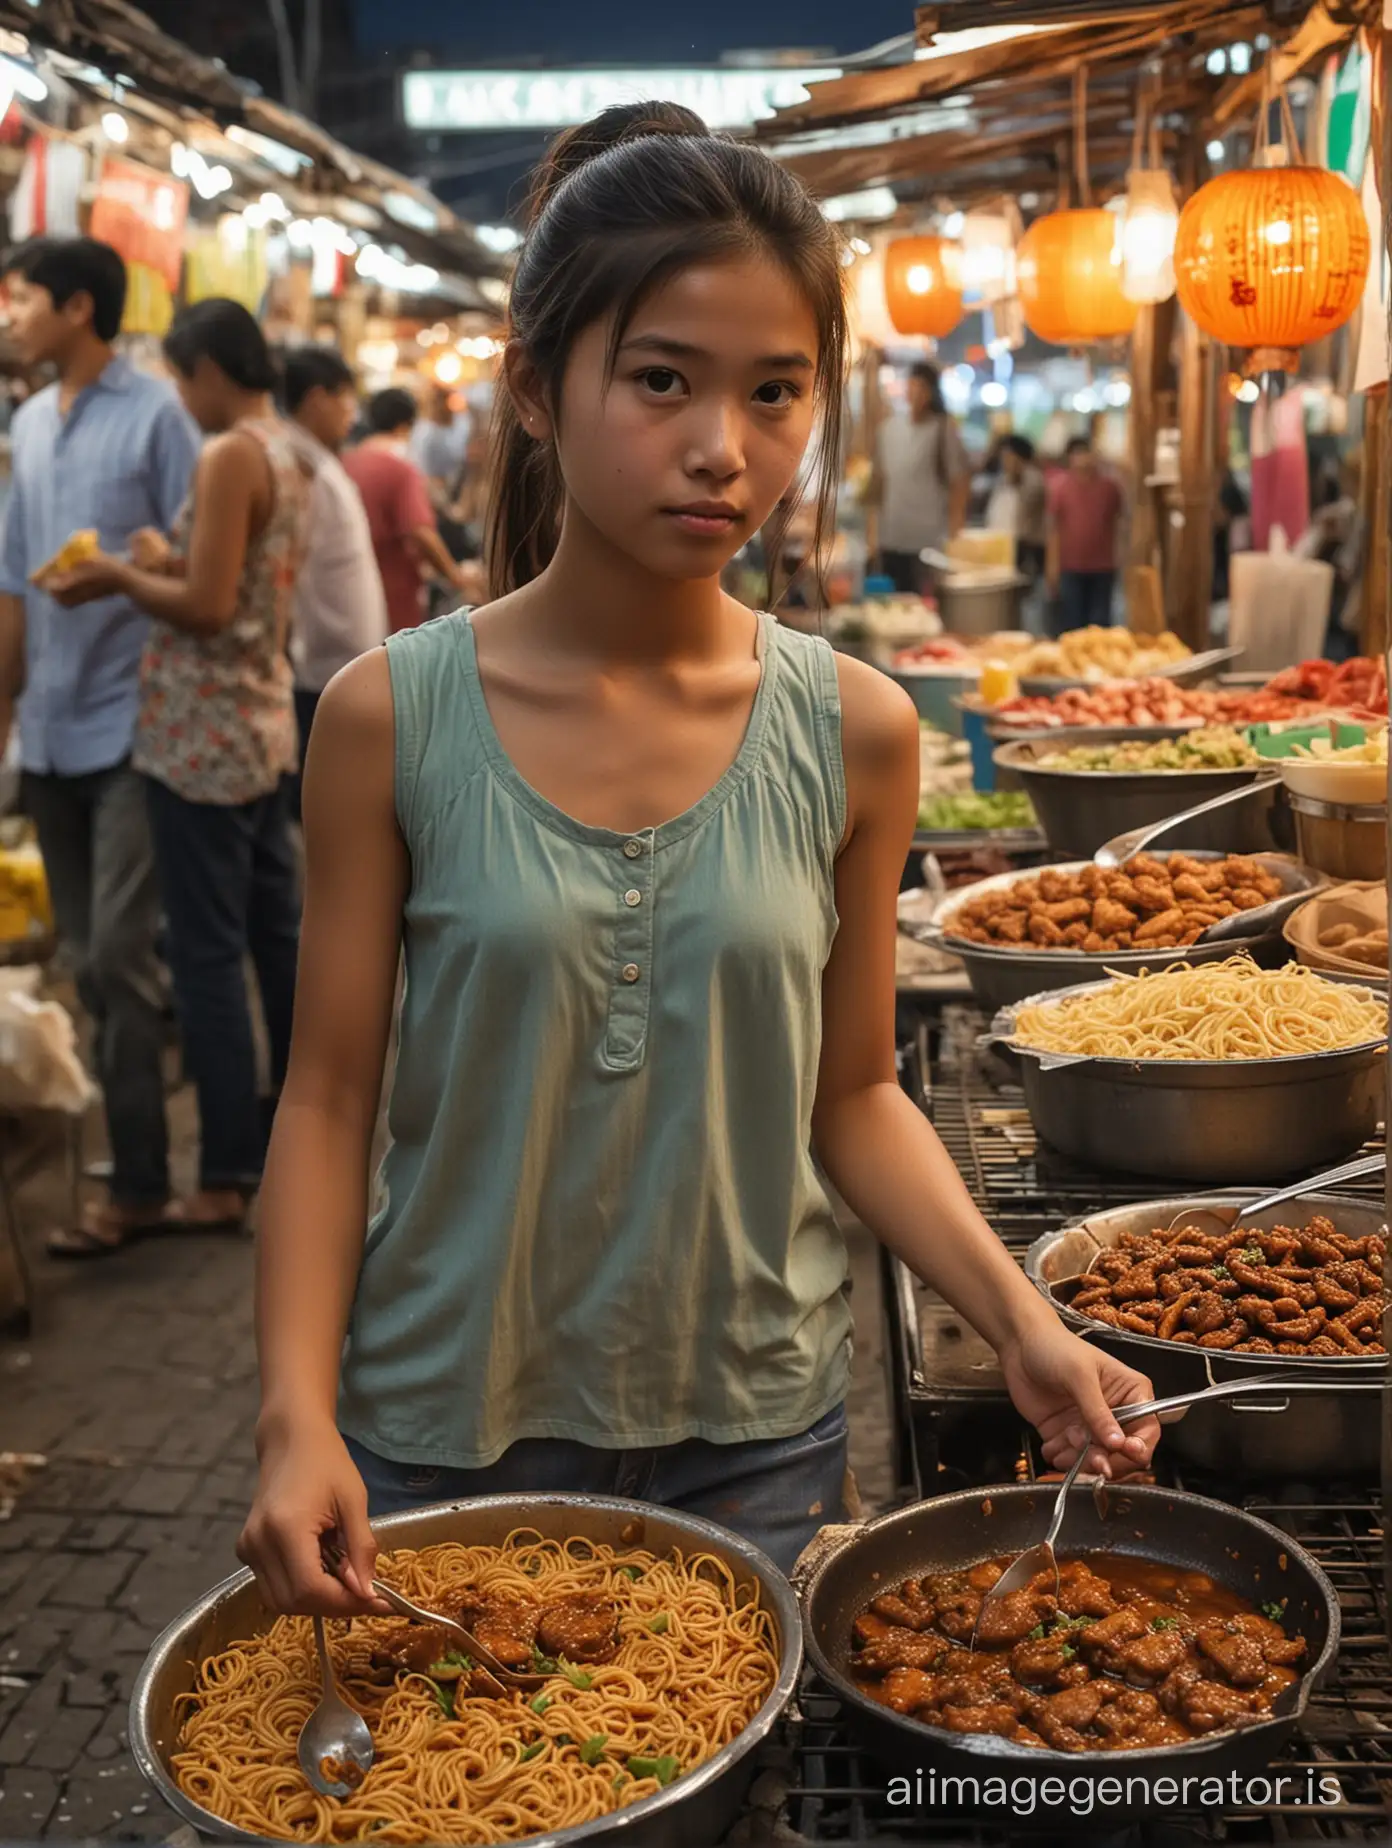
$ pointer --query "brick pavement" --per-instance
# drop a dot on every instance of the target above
(138, 1384)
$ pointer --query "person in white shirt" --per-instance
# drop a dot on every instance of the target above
(340, 606)
(920, 482)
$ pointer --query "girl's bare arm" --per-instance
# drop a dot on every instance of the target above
(315, 1196)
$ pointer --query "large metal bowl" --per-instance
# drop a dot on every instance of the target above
(1000, 976)
(1219, 1122)
(1305, 1435)
(1081, 809)
(693, 1812)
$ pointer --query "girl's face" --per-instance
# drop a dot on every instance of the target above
(680, 457)
(204, 394)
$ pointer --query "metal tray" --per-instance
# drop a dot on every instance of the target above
(1219, 1122)
(1187, 673)
(1001, 976)
(1310, 1436)
(692, 1812)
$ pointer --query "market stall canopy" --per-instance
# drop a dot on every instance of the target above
(986, 99)
(96, 43)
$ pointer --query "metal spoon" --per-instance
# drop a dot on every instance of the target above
(334, 1739)
(1122, 847)
(1224, 1218)
(1040, 1557)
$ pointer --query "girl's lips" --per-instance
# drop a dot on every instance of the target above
(706, 525)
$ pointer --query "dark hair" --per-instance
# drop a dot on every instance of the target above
(928, 375)
(304, 369)
(68, 266)
(1078, 445)
(1019, 446)
(617, 207)
(391, 410)
(226, 333)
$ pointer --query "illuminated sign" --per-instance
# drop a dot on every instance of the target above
(459, 101)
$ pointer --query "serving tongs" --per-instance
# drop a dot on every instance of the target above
(1041, 1557)
(484, 1659)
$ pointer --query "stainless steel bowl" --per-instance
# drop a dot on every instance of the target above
(1000, 976)
(1215, 1121)
(692, 1812)
(1309, 1436)
(969, 608)
(1080, 809)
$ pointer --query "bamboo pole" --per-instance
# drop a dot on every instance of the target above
(1194, 567)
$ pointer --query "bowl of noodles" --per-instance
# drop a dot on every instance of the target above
(650, 1739)
(1221, 1073)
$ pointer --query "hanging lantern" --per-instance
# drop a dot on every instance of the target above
(923, 285)
(1149, 221)
(1068, 267)
(1272, 257)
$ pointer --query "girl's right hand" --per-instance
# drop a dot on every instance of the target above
(309, 1487)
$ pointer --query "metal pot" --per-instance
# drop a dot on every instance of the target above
(1299, 1436)
(1001, 976)
(1212, 1121)
(691, 1813)
(1189, 1531)
(1080, 809)
(980, 609)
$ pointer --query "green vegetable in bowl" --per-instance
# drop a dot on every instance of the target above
(971, 811)
(1217, 747)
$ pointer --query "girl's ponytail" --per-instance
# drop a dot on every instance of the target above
(618, 205)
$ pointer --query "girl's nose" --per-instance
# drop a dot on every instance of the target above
(717, 446)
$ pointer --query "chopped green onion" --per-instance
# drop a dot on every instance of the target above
(540, 1704)
(633, 1572)
(531, 1751)
(593, 1749)
(444, 1696)
(618, 1783)
(1068, 1652)
(575, 1676)
(663, 1769)
(542, 1664)
(1165, 1623)
(1221, 1272)
(563, 1739)
(451, 1666)
(1274, 1611)
(660, 1624)
(1036, 1635)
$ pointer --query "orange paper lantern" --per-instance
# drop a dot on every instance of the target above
(1069, 274)
(923, 285)
(1272, 256)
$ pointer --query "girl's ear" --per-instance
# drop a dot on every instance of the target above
(525, 389)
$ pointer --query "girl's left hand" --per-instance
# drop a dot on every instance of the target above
(1066, 1388)
(98, 576)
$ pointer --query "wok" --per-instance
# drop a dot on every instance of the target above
(692, 1812)
(1298, 1437)
(1165, 1525)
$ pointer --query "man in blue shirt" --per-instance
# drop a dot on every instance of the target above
(108, 448)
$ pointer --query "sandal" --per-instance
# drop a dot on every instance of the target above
(207, 1210)
(101, 1230)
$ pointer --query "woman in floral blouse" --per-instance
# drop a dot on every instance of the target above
(216, 734)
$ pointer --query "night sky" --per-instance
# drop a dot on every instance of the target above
(626, 31)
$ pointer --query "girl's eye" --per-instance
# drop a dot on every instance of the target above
(661, 381)
(777, 393)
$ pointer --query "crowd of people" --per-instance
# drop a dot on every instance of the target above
(165, 686)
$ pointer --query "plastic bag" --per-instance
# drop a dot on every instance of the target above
(1279, 606)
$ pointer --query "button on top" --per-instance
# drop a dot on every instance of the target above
(633, 897)
(633, 849)
(630, 972)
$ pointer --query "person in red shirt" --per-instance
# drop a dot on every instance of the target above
(1085, 507)
(399, 511)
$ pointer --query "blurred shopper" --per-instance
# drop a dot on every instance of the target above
(1085, 508)
(1019, 505)
(921, 481)
(216, 733)
(437, 444)
(399, 511)
(340, 606)
(108, 448)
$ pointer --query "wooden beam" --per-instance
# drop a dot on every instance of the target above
(1316, 34)
(1193, 587)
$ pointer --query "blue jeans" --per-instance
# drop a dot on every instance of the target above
(231, 889)
(1085, 598)
(776, 1492)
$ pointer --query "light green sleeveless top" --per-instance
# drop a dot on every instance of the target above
(601, 1218)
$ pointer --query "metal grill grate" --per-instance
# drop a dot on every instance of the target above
(840, 1796)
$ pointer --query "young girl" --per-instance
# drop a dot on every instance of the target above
(641, 848)
(216, 736)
